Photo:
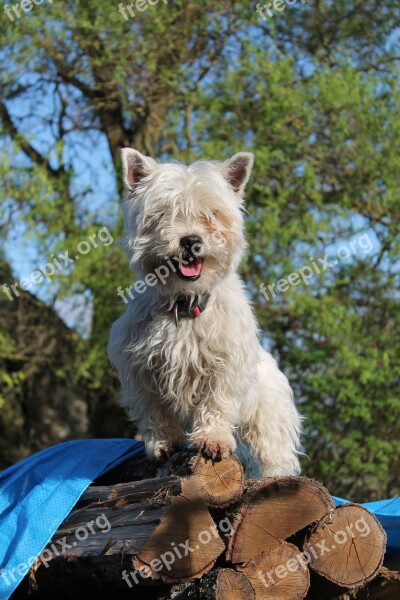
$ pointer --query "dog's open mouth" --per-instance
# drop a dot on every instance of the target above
(189, 268)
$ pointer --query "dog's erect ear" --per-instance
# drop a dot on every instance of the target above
(237, 170)
(135, 166)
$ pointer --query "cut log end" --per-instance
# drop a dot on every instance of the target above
(349, 549)
(232, 585)
(221, 482)
(274, 511)
(279, 573)
(186, 543)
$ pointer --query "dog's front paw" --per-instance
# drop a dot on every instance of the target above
(212, 448)
(161, 450)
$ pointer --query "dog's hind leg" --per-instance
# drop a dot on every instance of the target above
(272, 430)
(274, 457)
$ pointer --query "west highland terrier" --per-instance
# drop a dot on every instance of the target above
(187, 347)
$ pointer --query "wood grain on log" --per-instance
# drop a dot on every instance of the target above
(232, 585)
(274, 510)
(219, 584)
(186, 543)
(278, 573)
(348, 548)
(132, 512)
(221, 482)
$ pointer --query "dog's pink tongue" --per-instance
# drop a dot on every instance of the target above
(192, 269)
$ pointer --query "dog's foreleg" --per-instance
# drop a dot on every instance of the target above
(212, 433)
(161, 431)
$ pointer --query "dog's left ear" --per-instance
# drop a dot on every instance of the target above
(135, 166)
(237, 170)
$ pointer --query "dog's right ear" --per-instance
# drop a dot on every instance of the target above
(237, 170)
(135, 166)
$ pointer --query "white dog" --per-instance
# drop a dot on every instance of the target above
(187, 348)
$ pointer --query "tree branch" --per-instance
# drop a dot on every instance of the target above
(18, 137)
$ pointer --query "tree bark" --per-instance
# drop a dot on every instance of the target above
(384, 587)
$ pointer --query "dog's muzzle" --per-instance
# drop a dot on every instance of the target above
(191, 263)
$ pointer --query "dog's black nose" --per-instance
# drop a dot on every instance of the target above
(192, 244)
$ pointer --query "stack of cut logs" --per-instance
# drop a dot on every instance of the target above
(195, 529)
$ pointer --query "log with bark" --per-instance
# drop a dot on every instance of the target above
(277, 573)
(348, 548)
(192, 528)
(273, 510)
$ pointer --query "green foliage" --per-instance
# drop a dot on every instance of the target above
(315, 94)
(8, 381)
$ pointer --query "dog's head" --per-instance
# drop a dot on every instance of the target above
(187, 219)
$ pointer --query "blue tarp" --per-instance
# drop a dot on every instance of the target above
(38, 493)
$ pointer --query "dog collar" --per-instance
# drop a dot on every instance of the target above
(185, 307)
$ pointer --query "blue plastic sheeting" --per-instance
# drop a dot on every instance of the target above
(388, 514)
(39, 492)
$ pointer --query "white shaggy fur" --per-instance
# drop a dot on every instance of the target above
(208, 377)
